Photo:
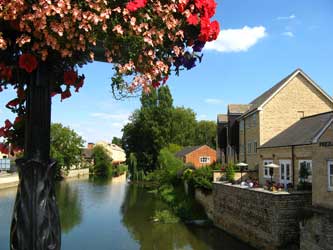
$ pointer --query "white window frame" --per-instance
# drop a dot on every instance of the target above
(204, 159)
(309, 179)
(266, 162)
(329, 175)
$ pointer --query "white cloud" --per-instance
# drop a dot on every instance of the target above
(288, 33)
(292, 16)
(237, 40)
(213, 101)
(107, 116)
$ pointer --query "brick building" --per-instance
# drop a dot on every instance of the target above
(198, 156)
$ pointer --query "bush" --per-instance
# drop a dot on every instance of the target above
(165, 216)
(102, 162)
(119, 170)
(230, 173)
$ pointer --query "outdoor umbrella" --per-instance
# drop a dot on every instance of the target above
(272, 166)
(241, 165)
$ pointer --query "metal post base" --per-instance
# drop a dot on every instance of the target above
(35, 222)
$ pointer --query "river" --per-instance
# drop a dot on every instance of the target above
(113, 215)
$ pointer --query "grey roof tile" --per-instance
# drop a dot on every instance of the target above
(301, 133)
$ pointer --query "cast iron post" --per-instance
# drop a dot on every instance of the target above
(35, 222)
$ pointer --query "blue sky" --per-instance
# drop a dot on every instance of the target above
(261, 42)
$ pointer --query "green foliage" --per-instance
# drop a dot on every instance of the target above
(119, 169)
(202, 178)
(66, 147)
(304, 172)
(102, 162)
(230, 173)
(165, 216)
(174, 148)
(117, 141)
(206, 133)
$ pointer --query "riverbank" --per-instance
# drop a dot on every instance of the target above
(9, 180)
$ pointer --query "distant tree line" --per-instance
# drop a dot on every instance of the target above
(158, 124)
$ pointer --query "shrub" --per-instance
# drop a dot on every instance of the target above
(230, 173)
(165, 216)
(102, 162)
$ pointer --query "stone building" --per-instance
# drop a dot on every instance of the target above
(117, 154)
(198, 156)
(228, 133)
(293, 98)
(308, 142)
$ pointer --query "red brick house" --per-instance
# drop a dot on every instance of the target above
(199, 156)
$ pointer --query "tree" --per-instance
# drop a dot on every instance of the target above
(183, 127)
(66, 146)
(117, 141)
(102, 161)
(42, 44)
(205, 133)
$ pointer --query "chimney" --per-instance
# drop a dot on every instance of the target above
(91, 145)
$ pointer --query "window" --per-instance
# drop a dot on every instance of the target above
(241, 125)
(241, 149)
(308, 165)
(249, 147)
(248, 122)
(255, 146)
(266, 169)
(254, 119)
(330, 175)
(204, 159)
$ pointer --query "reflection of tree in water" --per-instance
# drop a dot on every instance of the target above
(69, 206)
(138, 209)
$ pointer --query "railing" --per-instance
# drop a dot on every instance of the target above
(4, 164)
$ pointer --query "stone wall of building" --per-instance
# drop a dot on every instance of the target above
(263, 219)
(322, 196)
(317, 230)
(297, 99)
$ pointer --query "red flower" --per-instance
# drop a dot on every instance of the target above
(70, 77)
(207, 7)
(193, 19)
(79, 84)
(66, 94)
(4, 149)
(156, 84)
(209, 30)
(28, 62)
(20, 93)
(13, 103)
(5, 72)
(135, 4)
(182, 6)
(17, 120)
(165, 79)
(2, 132)
(8, 124)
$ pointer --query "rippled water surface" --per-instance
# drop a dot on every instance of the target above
(112, 215)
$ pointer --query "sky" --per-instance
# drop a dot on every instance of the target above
(261, 42)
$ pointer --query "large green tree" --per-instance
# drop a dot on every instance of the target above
(66, 146)
(205, 133)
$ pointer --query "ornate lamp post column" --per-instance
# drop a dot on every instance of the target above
(35, 222)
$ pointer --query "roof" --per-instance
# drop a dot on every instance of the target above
(87, 153)
(261, 100)
(222, 118)
(187, 150)
(238, 108)
(303, 132)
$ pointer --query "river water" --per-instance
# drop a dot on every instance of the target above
(113, 215)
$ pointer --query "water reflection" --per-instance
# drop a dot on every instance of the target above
(69, 204)
(111, 215)
(138, 209)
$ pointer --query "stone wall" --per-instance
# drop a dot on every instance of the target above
(317, 230)
(76, 173)
(206, 200)
(263, 219)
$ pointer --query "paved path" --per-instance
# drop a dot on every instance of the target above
(8, 180)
